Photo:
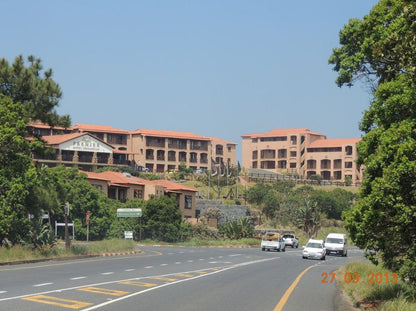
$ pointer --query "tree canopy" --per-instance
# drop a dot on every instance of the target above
(34, 88)
(380, 49)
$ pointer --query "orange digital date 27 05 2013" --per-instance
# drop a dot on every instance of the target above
(354, 278)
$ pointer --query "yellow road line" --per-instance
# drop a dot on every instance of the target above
(162, 278)
(289, 291)
(184, 275)
(104, 291)
(66, 303)
(136, 283)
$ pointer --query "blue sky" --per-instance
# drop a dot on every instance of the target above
(214, 68)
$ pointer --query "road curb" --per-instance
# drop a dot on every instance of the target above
(21, 262)
(120, 253)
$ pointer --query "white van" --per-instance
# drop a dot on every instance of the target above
(336, 243)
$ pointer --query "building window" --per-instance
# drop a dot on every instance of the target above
(138, 194)
(99, 187)
(348, 164)
(188, 201)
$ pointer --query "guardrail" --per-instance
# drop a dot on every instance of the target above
(270, 178)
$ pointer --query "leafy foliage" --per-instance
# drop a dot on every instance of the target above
(17, 174)
(162, 220)
(238, 229)
(38, 93)
(381, 49)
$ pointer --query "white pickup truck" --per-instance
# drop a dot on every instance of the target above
(272, 241)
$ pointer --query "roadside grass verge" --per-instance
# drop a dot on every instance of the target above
(22, 253)
(203, 242)
(376, 288)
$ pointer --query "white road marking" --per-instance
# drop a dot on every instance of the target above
(42, 284)
(172, 283)
(190, 261)
(107, 273)
(3, 291)
(128, 270)
(178, 263)
(164, 264)
(220, 269)
(201, 259)
(148, 267)
(234, 255)
(78, 278)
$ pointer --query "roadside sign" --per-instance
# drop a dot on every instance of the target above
(88, 217)
(128, 234)
(129, 212)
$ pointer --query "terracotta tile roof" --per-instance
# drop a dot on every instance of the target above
(53, 140)
(169, 134)
(98, 128)
(114, 178)
(326, 143)
(59, 139)
(282, 132)
(222, 141)
(117, 178)
(171, 186)
(46, 126)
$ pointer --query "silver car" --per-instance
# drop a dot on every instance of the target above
(291, 240)
(314, 249)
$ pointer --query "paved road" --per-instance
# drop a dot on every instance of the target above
(174, 278)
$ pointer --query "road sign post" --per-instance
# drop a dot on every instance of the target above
(87, 219)
(67, 241)
(131, 212)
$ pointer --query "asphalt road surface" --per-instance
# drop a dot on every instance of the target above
(176, 278)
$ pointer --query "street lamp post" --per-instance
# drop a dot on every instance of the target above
(67, 241)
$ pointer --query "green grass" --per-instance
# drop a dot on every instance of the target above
(203, 242)
(21, 253)
(382, 295)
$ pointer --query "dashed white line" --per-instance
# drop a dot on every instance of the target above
(128, 270)
(201, 259)
(148, 267)
(42, 284)
(78, 278)
(190, 261)
(178, 263)
(3, 291)
(234, 255)
(164, 264)
(107, 273)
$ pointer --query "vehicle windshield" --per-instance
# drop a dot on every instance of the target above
(334, 240)
(314, 245)
(286, 236)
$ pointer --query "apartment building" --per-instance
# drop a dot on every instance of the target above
(156, 150)
(161, 151)
(301, 151)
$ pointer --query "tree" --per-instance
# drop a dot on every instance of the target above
(26, 94)
(39, 94)
(17, 174)
(381, 49)
(162, 219)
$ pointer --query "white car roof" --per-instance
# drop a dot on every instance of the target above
(315, 241)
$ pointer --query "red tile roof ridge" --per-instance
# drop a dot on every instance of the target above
(284, 131)
(98, 128)
(46, 126)
(168, 133)
(222, 140)
(334, 142)
(58, 139)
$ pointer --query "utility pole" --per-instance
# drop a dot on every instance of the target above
(67, 241)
